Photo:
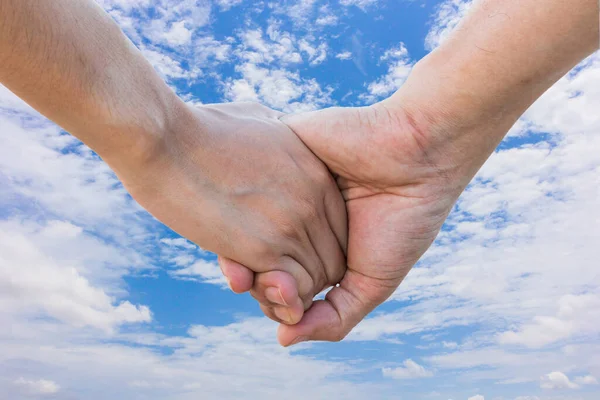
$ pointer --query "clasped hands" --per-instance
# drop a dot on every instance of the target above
(295, 204)
(388, 194)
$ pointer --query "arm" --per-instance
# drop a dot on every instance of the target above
(403, 162)
(72, 63)
(202, 171)
(504, 55)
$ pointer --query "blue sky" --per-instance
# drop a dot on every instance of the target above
(98, 300)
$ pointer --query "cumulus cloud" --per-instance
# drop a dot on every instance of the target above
(476, 397)
(586, 380)
(409, 370)
(34, 280)
(556, 380)
(345, 55)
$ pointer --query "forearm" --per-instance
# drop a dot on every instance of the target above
(499, 60)
(71, 62)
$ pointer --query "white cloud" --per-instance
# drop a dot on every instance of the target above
(326, 20)
(178, 34)
(170, 32)
(126, 5)
(449, 345)
(166, 66)
(226, 5)
(11, 103)
(448, 15)
(518, 253)
(300, 11)
(556, 380)
(575, 315)
(40, 387)
(362, 4)
(519, 256)
(229, 362)
(586, 380)
(399, 67)
(167, 22)
(345, 55)
(38, 279)
(268, 71)
(71, 236)
(316, 55)
(410, 370)
(179, 242)
(476, 397)
(202, 271)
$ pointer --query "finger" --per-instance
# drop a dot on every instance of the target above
(305, 264)
(277, 294)
(278, 291)
(239, 277)
(277, 314)
(275, 288)
(343, 308)
(327, 246)
(337, 215)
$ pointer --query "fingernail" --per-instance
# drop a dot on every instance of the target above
(299, 339)
(274, 295)
(228, 282)
(283, 314)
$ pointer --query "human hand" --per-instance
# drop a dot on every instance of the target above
(397, 199)
(403, 163)
(237, 181)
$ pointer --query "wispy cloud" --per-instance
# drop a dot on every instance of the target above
(508, 295)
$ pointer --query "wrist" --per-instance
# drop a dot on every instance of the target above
(456, 129)
(134, 139)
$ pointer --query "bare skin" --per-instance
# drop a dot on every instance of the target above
(232, 178)
(402, 163)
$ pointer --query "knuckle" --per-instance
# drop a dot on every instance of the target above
(289, 230)
(322, 176)
(309, 212)
(262, 249)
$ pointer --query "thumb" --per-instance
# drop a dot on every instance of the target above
(343, 308)
(326, 131)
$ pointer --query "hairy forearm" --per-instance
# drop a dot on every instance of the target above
(498, 61)
(71, 62)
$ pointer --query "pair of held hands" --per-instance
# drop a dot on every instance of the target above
(256, 186)
(294, 204)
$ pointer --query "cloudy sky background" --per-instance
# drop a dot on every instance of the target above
(99, 301)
